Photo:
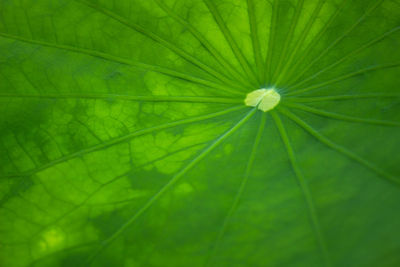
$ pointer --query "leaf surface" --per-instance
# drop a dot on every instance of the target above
(125, 139)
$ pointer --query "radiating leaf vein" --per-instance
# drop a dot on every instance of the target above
(304, 188)
(347, 56)
(341, 97)
(341, 117)
(342, 150)
(240, 191)
(339, 39)
(139, 98)
(344, 77)
(173, 181)
(220, 59)
(125, 138)
(153, 36)
(231, 41)
(123, 61)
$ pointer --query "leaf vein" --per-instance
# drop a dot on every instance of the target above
(123, 61)
(231, 41)
(240, 191)
(340, 149)
(124, 138)
(172, 181)
(344, 58)
(221, 60)
(153, 36)
(304, 188)
(342, 117)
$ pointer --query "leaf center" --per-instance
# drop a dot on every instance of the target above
(264, 99)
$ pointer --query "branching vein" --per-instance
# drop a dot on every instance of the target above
(123, 61)
(345, 77)
(342, 150)
(339, 39)
(125, 138)
(304, 188)
(183, 99)
(239, 193)
(231, 41)
(153, 36)
(340, 97)
(213, 51)
(341, 117)
(173, 181)
(347, 56)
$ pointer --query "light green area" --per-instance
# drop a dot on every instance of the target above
(263, 99)
(125, 138)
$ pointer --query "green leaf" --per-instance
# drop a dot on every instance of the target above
(125, 139)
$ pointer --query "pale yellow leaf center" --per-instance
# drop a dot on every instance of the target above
(264, 99)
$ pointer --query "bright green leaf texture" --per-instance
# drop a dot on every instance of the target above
(125, 139)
